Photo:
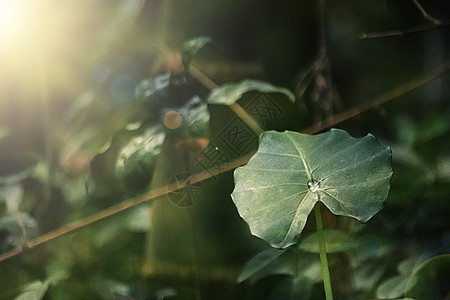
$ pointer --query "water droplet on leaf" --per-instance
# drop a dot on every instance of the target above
(313, 185)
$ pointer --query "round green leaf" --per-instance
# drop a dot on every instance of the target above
(276, 191)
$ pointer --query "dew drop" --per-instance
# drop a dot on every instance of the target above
(313, 185)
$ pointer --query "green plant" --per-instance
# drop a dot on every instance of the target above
(292, 173)
(175, 146)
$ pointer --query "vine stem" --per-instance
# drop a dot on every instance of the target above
(323, 254)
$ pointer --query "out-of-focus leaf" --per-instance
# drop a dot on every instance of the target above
(282, 262)
(194, 120)
(192, 47)
(197, 117)
(133, 220)
(153, 91)
(410, 131)
(429, 280)
(35, 290)
(392, 288)
(166, 293)
(14, 168)
(12, 196)
(271, 107)
(299, 270)
(405, 130)
(228, 94)
(335, 241)
(164, 91)
(58, 270)
(367, 275)
(260, 261)
(128, 163)
(12, 235)
(399, 285)
(102, 181)
(138, 219)
(276, 191)
(443, 168)
(80, 106)
(432, 126)
(109, 289)
(407, 266)
(136, 160)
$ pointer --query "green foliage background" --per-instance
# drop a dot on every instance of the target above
(55, 119)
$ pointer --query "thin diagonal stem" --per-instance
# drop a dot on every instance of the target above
(425, 14)
(393, 33)
(383, 98)
(123, 206)
(436, 24)
(211, 85)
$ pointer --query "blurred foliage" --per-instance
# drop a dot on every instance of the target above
(85, 87)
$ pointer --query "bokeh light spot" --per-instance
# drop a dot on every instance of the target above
(101, 73)
(113, 81)
(173, 119)
(123, 88)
